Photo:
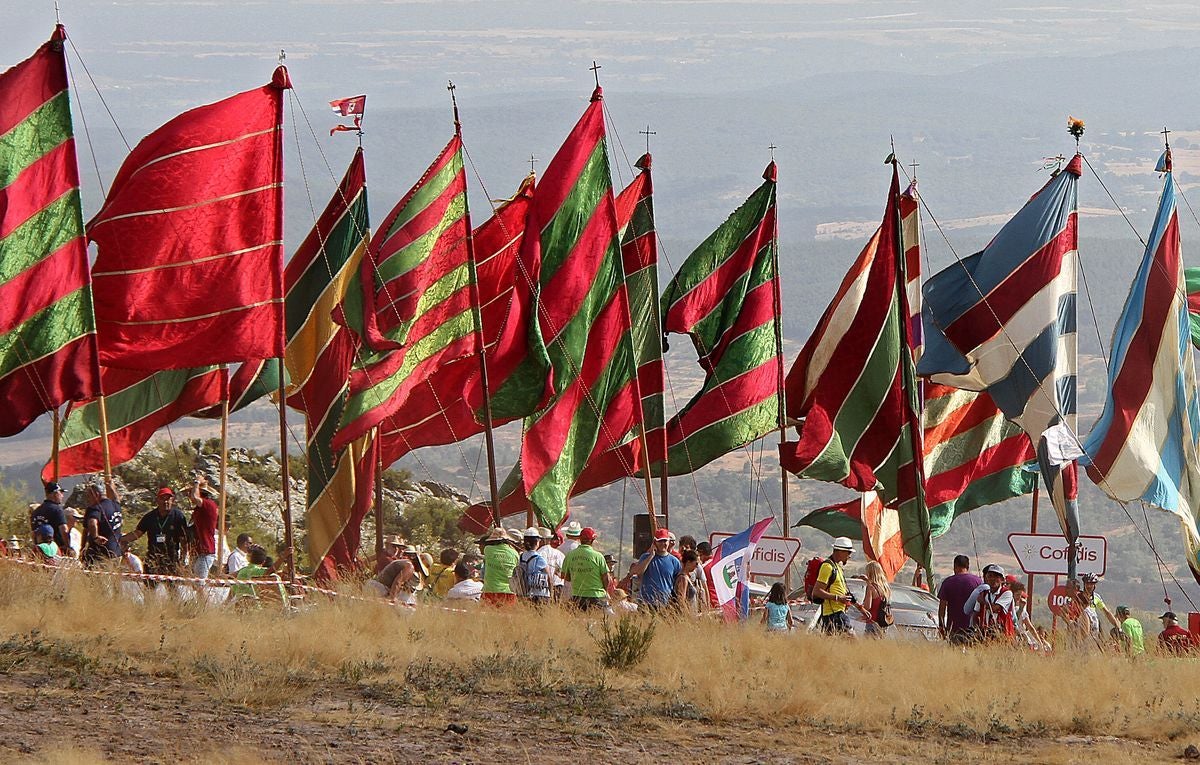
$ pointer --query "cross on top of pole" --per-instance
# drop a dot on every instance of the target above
(772, 149)
(1165, 134)
(595, 68)
(648, 132)
(914, 165)
(532, 159)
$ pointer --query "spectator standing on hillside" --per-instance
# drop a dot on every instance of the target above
(102, 523)
(165, 530)
(204, 524)
(1093, 606)
(877, 600)
(51, 513)
(76, 536)
(656, 571)
(777, 614)
(572, 532)
(1173, 638)
(1131, 633)
(830, 588)
(239, 557)
(585, 569)
(954, 623)
(554, 560)
(500, 559)
(992, 606)
(532, 568)
(685, 595)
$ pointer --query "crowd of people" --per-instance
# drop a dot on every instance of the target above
(546, 568)
(175, 546)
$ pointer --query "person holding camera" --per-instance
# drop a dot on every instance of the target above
(830, 589)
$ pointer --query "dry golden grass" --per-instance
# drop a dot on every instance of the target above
(694, 670)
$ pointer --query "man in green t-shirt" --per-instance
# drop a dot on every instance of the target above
(587, 571)
(830, 589)
(1131, 632)
(499, 560)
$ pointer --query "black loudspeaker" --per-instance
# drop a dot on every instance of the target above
(642, 538)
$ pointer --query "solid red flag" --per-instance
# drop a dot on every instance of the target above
(190, 263)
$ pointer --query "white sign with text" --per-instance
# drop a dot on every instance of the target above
(772, 556)
(1047, 554)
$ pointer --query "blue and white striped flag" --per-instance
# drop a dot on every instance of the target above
(1003, 321)
(1143, 447)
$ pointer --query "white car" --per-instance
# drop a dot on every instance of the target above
(914, 611)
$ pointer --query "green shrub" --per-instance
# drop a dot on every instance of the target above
(626, 644)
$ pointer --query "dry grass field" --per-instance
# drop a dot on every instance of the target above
(88, 676)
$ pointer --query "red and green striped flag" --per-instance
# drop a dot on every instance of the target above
(416, 313)
(48, 352)
(639, 256)
(854, 388)
(725, 296)
(443, 409)
(137, 405)
(573, 245)
(1192, 279)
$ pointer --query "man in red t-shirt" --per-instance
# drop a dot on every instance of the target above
(204, 526)
(1173, 638)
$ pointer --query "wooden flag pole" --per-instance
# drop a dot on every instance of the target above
(104, 441)
(378, 499)
(288, 541)
(481, 344)
(780, 378)
(54, 444)
(223, 540)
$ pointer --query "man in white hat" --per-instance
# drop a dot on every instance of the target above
(554, 559)
(992, 605)
(830, 589)
(572, 532)
(532, 572)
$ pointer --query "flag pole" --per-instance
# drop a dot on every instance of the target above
(378, 498)
(55, 442)
(780, 374)
(223, 541)
(104, 441)
(481, 343)
(1033, 525)
(284, 82)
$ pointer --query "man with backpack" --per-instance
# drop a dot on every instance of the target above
(531, 579)
(830, 589)
(992, 605)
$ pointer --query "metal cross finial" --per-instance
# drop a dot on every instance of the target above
(532, 159)
(454, 103)
(1166, 133)
(648, 132)
(914, 165)
(57, 13)
(596, 72)
(282, 56)
(772, 149)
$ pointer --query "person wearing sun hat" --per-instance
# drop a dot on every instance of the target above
(585, 569)
(830, 588)
(500, 559)
(532, 573)
(571, 531)
(554, 560)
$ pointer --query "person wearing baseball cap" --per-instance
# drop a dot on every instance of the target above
(657, 570)
(830, 589)
(51, 513)
(992, 605)
(165, 529)
(1131, 633)
(585, 569)
(1175, 639)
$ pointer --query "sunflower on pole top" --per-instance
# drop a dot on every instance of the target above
(1075, 128)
